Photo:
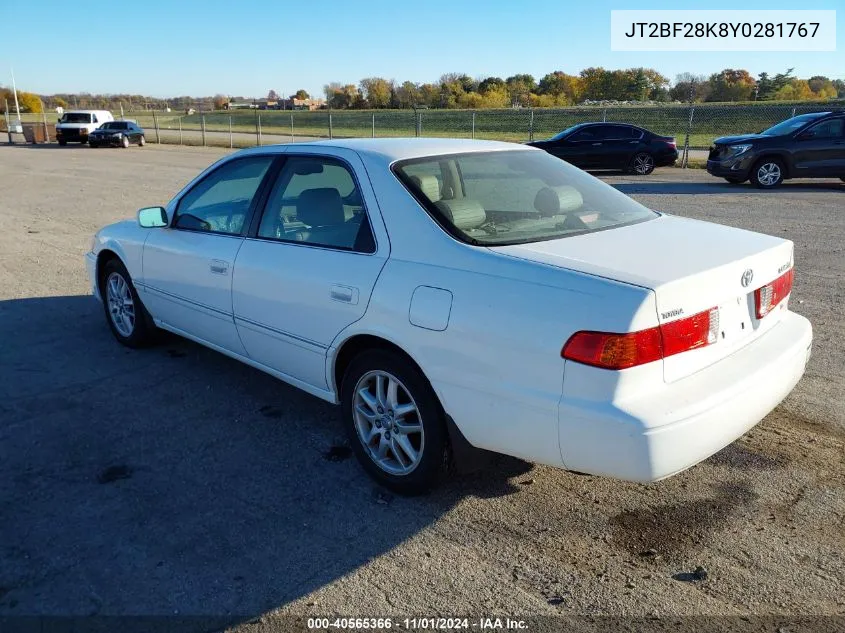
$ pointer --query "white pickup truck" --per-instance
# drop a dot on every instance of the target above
(74, 126)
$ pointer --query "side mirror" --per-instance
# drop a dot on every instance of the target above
(152, 217)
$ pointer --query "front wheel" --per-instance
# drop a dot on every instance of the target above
(767, 173)
(125, 314)
(142, 141)
(62, 143)
(124, 142)
(394, 422)
(642, 164)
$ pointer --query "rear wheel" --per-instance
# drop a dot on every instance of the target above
(62, 143)
(767, 173)
(642, 164)
(124, 142)
(394, 422)
(127, 318)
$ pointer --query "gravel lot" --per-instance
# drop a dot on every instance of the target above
(175, 480)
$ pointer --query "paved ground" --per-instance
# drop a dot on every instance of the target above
(175, 480)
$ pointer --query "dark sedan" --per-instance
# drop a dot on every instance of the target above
(805, 146)
(117, 134)
(612, 146)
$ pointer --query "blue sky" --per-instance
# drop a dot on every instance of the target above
(170, 47)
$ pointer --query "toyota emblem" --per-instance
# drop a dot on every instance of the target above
(747, 277)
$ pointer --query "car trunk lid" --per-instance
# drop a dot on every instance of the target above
(691, 267)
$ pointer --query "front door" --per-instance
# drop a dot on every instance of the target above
(187, 267)
(308, 267)
(820, 150)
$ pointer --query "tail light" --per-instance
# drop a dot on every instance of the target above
(609, 350)
(671, 143)
(770, 295)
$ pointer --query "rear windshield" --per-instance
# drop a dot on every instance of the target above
(76, 117)
(790, 125)
(513, 197)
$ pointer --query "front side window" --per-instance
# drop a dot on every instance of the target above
(316, 201)
(514, 197)
(832, 128)
(220, 202)
(791, 125)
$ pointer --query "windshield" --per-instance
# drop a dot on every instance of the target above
(566, 132)
(114, 125)
(76, 117)
(790, 125)
(513, 197)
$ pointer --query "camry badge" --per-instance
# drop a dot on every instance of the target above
(747, 277)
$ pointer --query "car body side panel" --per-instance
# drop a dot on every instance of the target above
(125, 239)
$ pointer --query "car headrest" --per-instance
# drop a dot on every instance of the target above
(429, 185)
(558, 200)
(320, 207)
(464, 213)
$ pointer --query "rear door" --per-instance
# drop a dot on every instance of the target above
(309, 264)
(187, 267)
(619, 143)
(820, 150)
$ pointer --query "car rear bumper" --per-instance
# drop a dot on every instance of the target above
(91, 267)
(650, 437)
(666, 159)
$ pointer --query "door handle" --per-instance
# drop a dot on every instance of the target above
(344, 294)
(219, 267)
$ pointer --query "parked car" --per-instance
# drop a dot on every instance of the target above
(612, 146)
(451, 294)
(74, 126)
(805, 146)
(117, 134)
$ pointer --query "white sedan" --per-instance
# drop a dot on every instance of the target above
(464, 293)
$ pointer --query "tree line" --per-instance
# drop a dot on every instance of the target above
(459, 90)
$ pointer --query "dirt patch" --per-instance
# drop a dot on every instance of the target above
(672, 529)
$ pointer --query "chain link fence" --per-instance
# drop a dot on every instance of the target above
(693, 125)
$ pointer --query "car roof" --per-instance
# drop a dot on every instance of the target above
(394, 149)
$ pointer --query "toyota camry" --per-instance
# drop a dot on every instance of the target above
(451, 294)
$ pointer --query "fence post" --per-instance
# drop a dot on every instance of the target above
(6, 115)
(180, 130)
(155, 124)
(793, 111)
(291, 127)
(202, 120)
(374, 124)
(604, 115)
(685, 159)
(418, 122)
(230, 132)
(258, 129)
(46, 129)
(531, 125)
(473, 124)
(331, 132)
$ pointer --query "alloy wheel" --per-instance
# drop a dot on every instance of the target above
(768, 174)
(388, 422)
(643, 164)
(121, 305)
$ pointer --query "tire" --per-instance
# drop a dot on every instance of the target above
(124, 142)
(142, 141)
(62, 143)
(642, 164)
(85, 142)
(767, 173)
(735, 181)
(423, 464)
(133, 326)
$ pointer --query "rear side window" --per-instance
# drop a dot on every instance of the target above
(220, 202)
(316, 201)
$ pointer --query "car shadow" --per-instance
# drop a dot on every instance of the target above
(174, 480)
(656, 186)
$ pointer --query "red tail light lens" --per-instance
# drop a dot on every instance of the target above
(770, 295)
(621, 351)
